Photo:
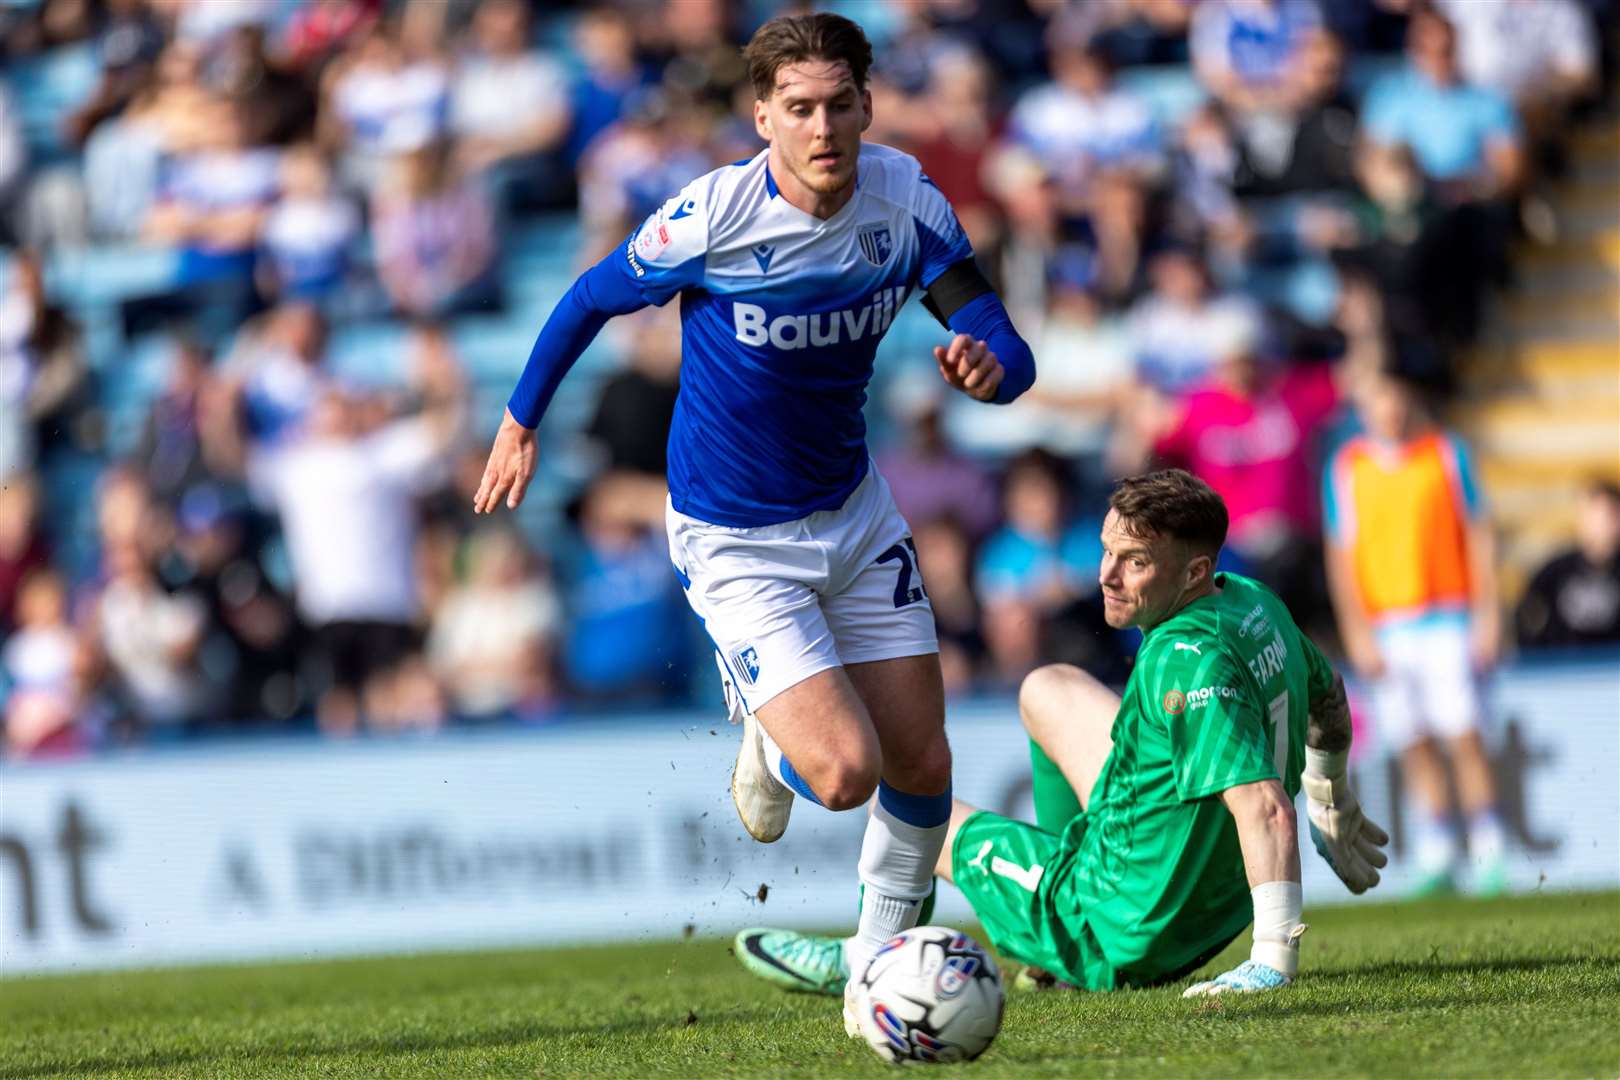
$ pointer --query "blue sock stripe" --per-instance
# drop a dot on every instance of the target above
(923, 811)
(796, 782)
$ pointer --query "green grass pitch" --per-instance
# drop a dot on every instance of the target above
(1522, 987)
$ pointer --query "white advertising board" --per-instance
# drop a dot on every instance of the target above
(594, 831)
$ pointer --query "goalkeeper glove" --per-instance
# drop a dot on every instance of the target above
(1247, 978)
(1350, 843)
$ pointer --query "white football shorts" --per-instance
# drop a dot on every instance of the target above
(782, 602)
(1429, 686)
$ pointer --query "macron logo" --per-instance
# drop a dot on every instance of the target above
(762, 255)
(790, 332)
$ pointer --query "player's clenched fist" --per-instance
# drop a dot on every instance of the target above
(510, 468)
(970, 366)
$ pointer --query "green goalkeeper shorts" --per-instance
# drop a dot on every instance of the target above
(1023, 883)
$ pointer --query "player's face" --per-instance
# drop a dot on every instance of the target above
(1144, 579)
(813, 120)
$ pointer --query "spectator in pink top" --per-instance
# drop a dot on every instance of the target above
(1249, 432)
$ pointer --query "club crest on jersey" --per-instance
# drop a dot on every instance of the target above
(747, 664)
(876, 244)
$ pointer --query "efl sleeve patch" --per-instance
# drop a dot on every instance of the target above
(666, 254)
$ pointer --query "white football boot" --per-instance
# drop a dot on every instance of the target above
(763, 801)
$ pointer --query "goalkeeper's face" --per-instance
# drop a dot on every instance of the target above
(1147, 579)
(813, 121)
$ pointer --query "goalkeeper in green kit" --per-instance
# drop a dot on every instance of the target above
(1165, 817)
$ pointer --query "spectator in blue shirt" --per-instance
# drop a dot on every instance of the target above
(611, 74)
(627, 638)
(1036, 565)
(1247, 52)
(1466, 138)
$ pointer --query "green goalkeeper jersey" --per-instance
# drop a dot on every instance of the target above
(1218, 698)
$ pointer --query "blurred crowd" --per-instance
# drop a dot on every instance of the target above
(1231, 230)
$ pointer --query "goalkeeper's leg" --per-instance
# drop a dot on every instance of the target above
(1069, 716)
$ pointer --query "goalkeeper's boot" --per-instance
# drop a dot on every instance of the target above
(804, 963)
(763, 801)
(1249, 977)
(1031, 978)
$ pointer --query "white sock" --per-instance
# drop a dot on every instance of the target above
(1436, 847)
(897, 869)
(1486, 838)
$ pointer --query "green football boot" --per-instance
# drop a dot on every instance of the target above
(803, 963)
(1491, 878)
(1436, 882)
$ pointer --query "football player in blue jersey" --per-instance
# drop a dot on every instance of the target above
(790, 267)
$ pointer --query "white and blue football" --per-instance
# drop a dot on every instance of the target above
(930, 994)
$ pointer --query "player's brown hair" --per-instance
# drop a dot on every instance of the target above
(788, 39)
(1172, 503)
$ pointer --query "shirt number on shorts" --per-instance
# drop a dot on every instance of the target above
(904, 553)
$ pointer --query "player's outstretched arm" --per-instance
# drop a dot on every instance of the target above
(509, 469)
(1269, 836)
(1350, 843)
(597, 295)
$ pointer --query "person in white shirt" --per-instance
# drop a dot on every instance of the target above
(1175, 330)
(1541, 53)
(1086, 365)
(380, 104)
(40, 661)
(1081, 123)
(306, 237)
(345, 492)
(150, 638)
(494, 638)
(510, 109)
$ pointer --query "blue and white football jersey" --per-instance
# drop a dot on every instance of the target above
(781, 316)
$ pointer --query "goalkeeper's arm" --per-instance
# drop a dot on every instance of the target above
(1342, 834)
(1269, 837)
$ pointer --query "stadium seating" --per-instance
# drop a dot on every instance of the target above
(1541, 400)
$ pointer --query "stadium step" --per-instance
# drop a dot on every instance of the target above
(1597, 302)
(1549, 358)
(1541, 396)
(1597, 147)
(1600, 247)
(1585, 446)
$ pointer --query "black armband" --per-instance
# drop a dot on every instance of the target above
(952, 290)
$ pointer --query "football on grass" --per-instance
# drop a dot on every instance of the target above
(931, 994)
